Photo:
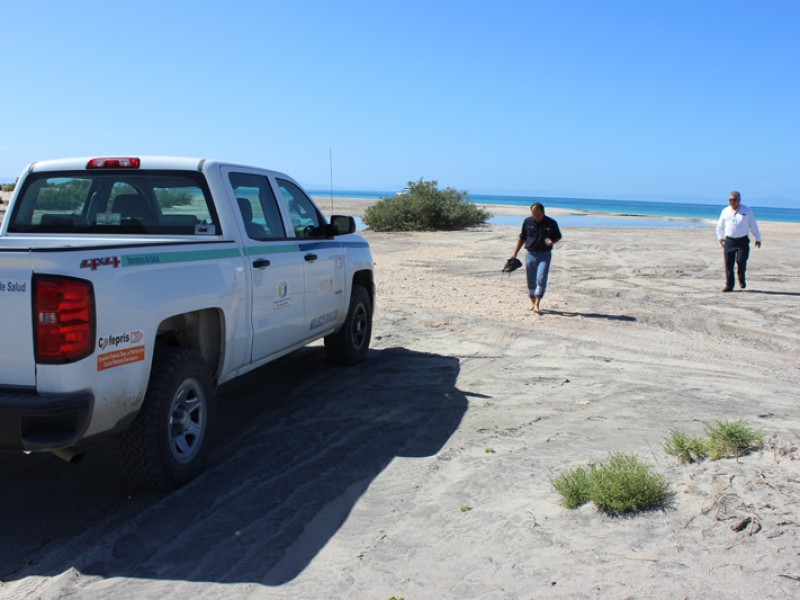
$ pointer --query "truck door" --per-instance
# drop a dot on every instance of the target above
(277, 267)
(323, 260)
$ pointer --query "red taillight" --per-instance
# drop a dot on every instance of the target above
(64, 318)
(113, 163)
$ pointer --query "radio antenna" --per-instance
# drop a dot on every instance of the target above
(330, 156)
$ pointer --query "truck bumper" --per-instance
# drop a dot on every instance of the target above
(29, 421)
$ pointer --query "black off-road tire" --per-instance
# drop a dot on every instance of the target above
(168, 442)
(350, 344)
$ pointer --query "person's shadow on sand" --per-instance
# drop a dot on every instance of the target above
(564, 313)
(299, 441)
(769, 293)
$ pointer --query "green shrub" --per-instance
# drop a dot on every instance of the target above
(424, 208)
(622, 485)
(732, 439)
(686, 448)
(726, 439)
(575, 486)
(625, 484)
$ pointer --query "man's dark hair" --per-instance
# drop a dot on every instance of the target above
(538, 205)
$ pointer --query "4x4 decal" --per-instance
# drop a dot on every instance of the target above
(106, 261)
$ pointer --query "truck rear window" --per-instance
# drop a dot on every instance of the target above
(115, 202)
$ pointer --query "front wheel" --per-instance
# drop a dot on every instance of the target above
(350, 344)
(168, 442)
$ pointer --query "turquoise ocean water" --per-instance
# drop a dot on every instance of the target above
(601, 208)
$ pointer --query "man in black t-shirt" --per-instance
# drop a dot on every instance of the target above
(539, 234)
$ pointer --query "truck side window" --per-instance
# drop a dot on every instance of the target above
(257, 206)
(305, 218)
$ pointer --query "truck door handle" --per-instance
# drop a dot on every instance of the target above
(261, 263)
(310, 257)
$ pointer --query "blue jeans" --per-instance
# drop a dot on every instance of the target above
(537, 266)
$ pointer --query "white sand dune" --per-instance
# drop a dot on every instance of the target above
(350, 483)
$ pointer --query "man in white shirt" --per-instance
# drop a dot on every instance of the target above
(735, 222)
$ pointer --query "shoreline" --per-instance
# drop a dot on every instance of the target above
(356, 207)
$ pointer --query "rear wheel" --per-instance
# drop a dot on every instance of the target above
(168, 442)
(350, 344)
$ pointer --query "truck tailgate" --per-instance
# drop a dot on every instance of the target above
(17, 367)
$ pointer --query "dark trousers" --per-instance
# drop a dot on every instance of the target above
(736, 251)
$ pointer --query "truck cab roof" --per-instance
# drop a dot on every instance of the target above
(175, 163)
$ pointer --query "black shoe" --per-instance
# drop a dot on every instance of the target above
(742, 285)
(727, 289)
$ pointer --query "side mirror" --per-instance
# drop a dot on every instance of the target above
(343, 225)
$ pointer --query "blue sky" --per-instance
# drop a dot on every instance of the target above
(669, 100)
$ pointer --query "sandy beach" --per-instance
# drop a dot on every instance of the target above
(425, 473)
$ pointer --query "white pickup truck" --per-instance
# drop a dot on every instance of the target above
(130, 287)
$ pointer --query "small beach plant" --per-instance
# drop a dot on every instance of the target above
(686, 448)
(625, 484)
(725, 439)
(728, 439)
(574, 486)
(621, 485)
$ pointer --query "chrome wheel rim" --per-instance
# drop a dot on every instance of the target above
(360, 328)
(187, 421)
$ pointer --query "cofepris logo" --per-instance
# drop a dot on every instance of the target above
(283, 290)
(120, 340)
(120, 349)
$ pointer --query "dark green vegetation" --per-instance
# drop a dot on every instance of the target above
(424, 207)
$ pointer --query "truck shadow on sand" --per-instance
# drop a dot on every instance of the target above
(298, 443)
